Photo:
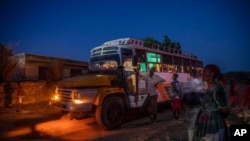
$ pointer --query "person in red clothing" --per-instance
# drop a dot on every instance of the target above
(176, 96)
(233, 93)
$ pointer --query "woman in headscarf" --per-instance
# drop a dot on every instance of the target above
(210, 122)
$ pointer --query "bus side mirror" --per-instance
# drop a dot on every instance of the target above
(134, 61)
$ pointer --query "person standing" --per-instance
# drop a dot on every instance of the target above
(8, 95)
(19, 95)
(192, 93)
(152, 80)
(210, 122)
(175, 95)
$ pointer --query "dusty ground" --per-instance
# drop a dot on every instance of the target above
(135, 128)
(27, 114)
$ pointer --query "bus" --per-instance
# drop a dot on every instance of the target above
(112, 86)
(167, 61)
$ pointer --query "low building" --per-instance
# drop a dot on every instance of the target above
(37, 67)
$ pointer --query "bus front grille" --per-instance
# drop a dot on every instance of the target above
(65, 95)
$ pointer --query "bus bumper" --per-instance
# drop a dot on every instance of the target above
(70, 106)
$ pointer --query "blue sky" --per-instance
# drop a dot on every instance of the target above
(217, 31)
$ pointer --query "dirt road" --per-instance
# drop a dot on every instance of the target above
(40, 122)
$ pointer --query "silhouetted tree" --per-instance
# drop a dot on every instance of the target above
(7, 65)
(150, 42)
(167, 44)
(178, 46)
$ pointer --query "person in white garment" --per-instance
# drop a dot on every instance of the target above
(191, 100)
(152, 80)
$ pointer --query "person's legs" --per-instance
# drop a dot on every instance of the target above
(152, 109)
(174, 107)
(191, 114)
(178, 108)
(149, 108)
(155, 108)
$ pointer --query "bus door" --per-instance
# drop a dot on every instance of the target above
(136, 89)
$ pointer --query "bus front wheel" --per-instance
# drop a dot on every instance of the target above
(111, 113)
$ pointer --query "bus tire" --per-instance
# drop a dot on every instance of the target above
(111, 113)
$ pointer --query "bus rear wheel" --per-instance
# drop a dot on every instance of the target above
(111, 113)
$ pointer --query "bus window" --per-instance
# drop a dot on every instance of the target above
(127, 55)
(150, 65)
(143, 67)
(153, 57)
(109, 65)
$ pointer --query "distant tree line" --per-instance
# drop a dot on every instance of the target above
(238, 76)
(167, 43)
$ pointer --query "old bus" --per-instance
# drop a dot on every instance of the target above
(112, 87)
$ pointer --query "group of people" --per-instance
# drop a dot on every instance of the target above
(203, 99)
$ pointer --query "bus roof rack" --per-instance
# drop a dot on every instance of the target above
(141, 43)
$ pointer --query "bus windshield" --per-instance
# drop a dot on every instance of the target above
(104, 62)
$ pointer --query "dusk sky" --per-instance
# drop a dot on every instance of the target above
(216, 31)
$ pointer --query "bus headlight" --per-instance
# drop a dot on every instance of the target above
(56, 96)
(78, 101)
(78, 98)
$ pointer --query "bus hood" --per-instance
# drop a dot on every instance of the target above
(88, 81)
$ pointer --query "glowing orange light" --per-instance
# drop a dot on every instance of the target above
(77, 101)
(56, 97)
